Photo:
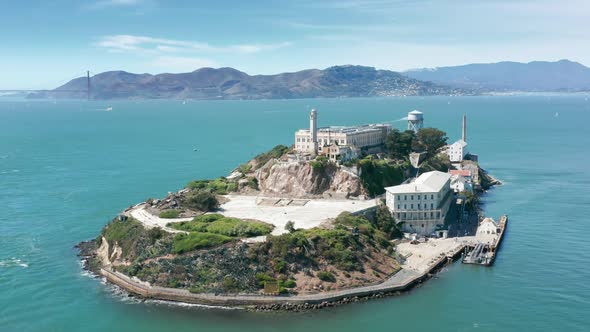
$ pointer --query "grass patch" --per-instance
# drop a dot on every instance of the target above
(170, 214)
(218, 224)
(124, 233)
(219, 186)
(274, 153)
(197, 240)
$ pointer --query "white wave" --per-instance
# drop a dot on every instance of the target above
(9, 171)
(13, 262)
(189, 305)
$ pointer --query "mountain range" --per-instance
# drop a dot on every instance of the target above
(337, 81)
(229, 83)
(536, 76)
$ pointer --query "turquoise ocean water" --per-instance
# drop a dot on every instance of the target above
(67, 168)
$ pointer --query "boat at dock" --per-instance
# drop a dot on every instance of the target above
(490, 235)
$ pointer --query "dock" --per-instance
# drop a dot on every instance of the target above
(489, 237)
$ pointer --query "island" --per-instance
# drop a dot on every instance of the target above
(342, 215)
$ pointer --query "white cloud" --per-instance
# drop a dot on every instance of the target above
(151, 45)
(180, 64)
(115, 3)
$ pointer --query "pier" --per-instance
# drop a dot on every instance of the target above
(490, 234)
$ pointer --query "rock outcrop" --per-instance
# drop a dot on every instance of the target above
(301, 180)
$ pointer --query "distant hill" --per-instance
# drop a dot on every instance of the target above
(540, 76)
(229, 83)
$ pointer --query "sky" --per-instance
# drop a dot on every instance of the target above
(44, 44)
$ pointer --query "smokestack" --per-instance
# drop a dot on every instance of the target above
(88, 84)
(464, 136)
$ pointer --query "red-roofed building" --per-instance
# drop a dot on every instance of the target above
(463, 172)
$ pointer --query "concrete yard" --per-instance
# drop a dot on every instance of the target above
(306, 213)
(419, 257)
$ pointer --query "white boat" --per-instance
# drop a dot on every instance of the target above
(108, 109)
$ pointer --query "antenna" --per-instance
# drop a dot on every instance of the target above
(88, 84)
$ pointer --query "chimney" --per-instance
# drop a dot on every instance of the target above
(464, 136)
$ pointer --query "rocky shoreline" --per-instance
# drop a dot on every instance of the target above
(87, 251)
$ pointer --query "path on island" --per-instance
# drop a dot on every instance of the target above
(305, 213)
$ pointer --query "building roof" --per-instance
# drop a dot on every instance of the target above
(460, 142)
(426, 183)
(349, 129)
(462, 172)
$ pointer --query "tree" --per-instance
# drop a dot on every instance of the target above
(429, 140)
(385, 222)
(399, 144)
(290, 226)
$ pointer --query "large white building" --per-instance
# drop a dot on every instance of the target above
(421, 204)
(338, 141)
(458, 150)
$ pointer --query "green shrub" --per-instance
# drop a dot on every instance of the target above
(196, 240)
(280, 267)
(245, 168)
(326, 276)
(274, 153)
(155, 234)
(170, 214)
(201, 200)
(229, 283)
(290, 283)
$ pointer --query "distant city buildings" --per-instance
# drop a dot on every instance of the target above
(422, 204)
(339, 143)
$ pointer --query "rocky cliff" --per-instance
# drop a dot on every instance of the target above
(301, 179)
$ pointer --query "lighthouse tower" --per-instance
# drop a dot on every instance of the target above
(415, 120)
(313, 131)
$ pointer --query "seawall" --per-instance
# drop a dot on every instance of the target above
(403, 280)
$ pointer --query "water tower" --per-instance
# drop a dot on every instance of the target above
(415, 120)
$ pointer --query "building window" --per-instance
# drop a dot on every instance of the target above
(431, 205)
(431, 214)
(405, 207)
(425, 196)
(399, 207)
(412, 206)
(422, 225)
(412, 197)
(432, 196)
(418, 206)
(405, 197)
